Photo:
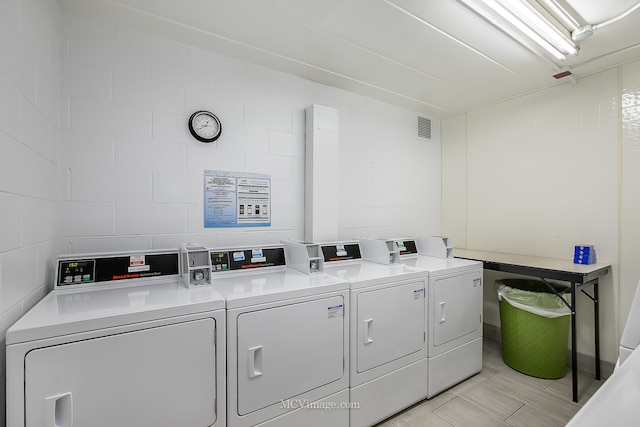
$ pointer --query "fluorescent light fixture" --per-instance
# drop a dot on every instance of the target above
(529, 22)
(544, 27)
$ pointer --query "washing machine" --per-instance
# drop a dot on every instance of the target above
(388, 353)
(630, 339)
(119, 341)
(287, 340)
(616, 401)
(454, 295)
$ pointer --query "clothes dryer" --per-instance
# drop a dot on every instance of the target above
(630, 339)
(388, 344)
(120, 341)
(616, 401)
(288, 348)
(454, 327)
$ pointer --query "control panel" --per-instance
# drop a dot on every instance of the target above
(107, 269)
(341, 251)
(242, 259)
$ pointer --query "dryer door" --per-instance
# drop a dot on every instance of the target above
(391, 324)
(161, 376)
(456, 307)
(288, 350)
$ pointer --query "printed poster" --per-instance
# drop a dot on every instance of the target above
(236, 199)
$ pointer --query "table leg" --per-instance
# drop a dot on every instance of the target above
(596, 316)
(574, 340)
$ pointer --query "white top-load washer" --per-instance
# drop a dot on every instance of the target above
(630, 339)
(288, 340)
(388, 345)
(454, 325)
(120, 341)
(616, 401)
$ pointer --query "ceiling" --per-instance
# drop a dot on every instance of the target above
(435, 57)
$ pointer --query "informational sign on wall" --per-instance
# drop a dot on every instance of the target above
(236, 199)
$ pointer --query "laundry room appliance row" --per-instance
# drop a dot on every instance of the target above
(285, 335)
(119, 341)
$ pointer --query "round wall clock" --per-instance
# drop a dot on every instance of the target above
(205, 126)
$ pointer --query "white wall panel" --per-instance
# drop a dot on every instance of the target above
(130, 175)
(9, 108)
(177, 187)
(10, 222)
(278, 167)
(542, 176)
(170, 127)
(90, 116)
(99, 46)
(236, 79)
(84, 81)
(286, 144)
(248, 139)
(155, 85)
(35, 131)
(630, 203)
(268, 115)
(48, 180)
(149, 155)
(41, 221)
(388, 173)
(454, 180)
(148, 219)
(18, 164)
(109, 244)
(152, 94)
(87, 150)
(29, 156)
(19, 277)
(81, 219)
(109, 185)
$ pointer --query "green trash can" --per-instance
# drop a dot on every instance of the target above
(535, 327)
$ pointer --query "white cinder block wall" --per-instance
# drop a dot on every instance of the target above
(133, 175)
(29, 157)
(96, 155)
(547, 171)
(630, 191)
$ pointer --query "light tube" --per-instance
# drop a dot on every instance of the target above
(544, 27)
(560, 13)
(525, 29)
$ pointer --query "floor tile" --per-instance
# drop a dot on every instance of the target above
(560, 409)
(492, 401)
(418, 417)
(480, 377)
(528, 417)
(438, 400)
(499, 396)
(462, 413)
(563, 388)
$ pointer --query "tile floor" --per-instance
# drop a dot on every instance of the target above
(499, 396)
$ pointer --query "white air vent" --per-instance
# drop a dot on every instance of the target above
(424, 127)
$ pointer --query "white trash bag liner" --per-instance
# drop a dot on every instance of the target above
(543, 304)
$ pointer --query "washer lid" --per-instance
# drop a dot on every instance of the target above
(66, 312)
(438, 266)
(365, 273)
(257, 287)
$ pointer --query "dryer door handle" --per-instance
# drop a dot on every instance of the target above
(368, 331)
(442, 312)
(255, 361)
(59, 410)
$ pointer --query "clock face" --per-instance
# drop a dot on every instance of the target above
(205, 126)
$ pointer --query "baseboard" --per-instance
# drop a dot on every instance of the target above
(586, 363)
(491, 332)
